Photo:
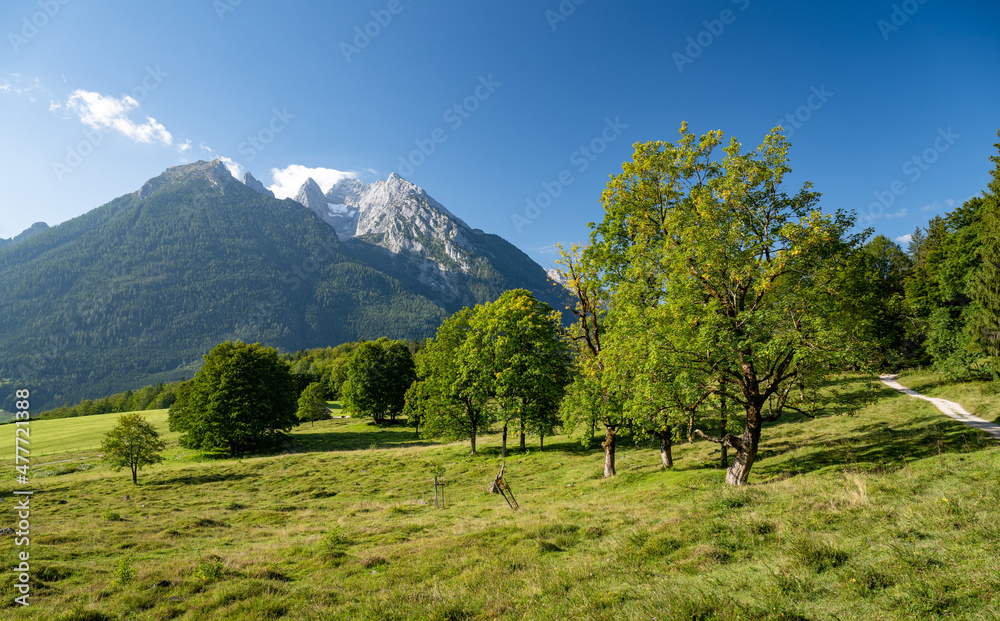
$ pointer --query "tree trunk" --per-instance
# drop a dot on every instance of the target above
(609, 451)
(503, 447)
(722, 431)
(691, 426)
(135, 479)
(472, 440)
(593, 431)
(541, 440)
(522, 435)
(746, 452)
(666, 444)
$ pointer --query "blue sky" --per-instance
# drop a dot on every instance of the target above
(489, 106)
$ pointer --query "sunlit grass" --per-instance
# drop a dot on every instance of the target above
(887, 514)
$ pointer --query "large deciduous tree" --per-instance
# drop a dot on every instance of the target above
(242, 401)
(312, 404)
(450, 396)
(589, 273)
(519, 344)
(378, 376)
(738, 278)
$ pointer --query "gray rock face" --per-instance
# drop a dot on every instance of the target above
(401, 218)
(214, 172)
(251, 182)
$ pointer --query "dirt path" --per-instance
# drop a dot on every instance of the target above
(950, 408)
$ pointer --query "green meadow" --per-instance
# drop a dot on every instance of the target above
(888, 512)
(68, 438)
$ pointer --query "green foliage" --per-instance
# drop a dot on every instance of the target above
(937, 292)
(135, 291)
(210, 568)
(872, 283)
(720, 281)
(153, 397)
(124, 572)
(582, 407)
(242, 401)
(132, 443)
(312, 403)
(378, 376)
(518, 347)
(984, 285)
(453, 397)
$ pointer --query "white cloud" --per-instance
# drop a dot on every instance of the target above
(235, 168)
(105, 112)
(898, 214)
(184, 146)
(905, 239)
(288, 180)
(18, 87)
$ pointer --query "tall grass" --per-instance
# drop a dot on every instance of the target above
(886, 514)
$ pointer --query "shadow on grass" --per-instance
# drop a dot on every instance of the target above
(873, 448)
(199, 479)
(380, 437)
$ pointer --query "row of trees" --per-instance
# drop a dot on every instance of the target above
(951, 276)
(506, 362)
(706, 288)
(706, 284)
(153, 397)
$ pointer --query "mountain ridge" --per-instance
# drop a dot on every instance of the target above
(137, 290)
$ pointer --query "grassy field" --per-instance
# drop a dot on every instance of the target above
(886, 514)
(67, 438)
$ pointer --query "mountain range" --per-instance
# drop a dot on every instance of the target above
(137, 290)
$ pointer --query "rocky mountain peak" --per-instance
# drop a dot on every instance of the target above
(214, 172)
(251, 182)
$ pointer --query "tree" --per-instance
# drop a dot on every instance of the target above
(872, 282)
(418, 401)
(132, 443)
(938, 291)
(984, 288)
(243, 400)
(378, 376)
(589, 273)
(312, 404)
(518, 343)
(451, 395)
(738, 277)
